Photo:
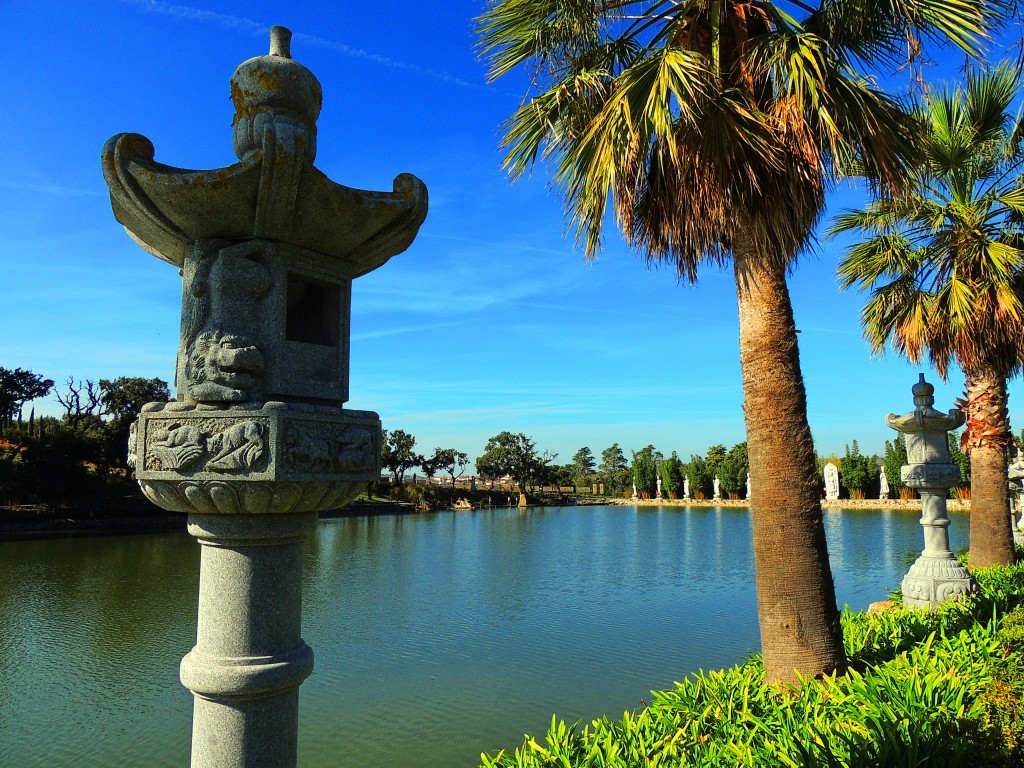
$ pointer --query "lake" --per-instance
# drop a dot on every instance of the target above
(437, 636)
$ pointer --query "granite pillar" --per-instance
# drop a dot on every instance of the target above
(249, 657)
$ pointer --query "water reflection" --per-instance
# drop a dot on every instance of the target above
(437, 636)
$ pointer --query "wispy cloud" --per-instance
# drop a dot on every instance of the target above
(253, 27)
(399, 330)
(46, 188)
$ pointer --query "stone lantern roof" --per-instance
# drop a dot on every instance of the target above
(274, 191)
(924, 417)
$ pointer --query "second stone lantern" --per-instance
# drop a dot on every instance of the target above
(257, 441)
(936, 576)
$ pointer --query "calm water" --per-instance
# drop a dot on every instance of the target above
(436, 636)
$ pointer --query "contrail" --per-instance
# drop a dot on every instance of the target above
(256, 28)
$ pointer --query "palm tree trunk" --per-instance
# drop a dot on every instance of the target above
(800, 628)
(988, 435)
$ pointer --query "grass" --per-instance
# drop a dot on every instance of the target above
(924, 689)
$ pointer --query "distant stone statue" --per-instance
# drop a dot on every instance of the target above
(1016, 477)
(718, 491)
(634, 496)
(686, 488)
(883, 485)
(831, 472)
(748, 486)
(658, 495)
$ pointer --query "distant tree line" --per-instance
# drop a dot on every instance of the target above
(515, 456)
(78, 458)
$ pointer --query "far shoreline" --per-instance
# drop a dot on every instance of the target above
(901, 504)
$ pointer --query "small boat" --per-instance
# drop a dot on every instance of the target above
(461, 505)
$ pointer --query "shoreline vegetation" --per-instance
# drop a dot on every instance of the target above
(136, 515)
(910, 504)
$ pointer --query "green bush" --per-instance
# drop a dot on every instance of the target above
(923, 689)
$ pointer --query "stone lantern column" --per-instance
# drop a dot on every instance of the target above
(937, 576)
(257, 441)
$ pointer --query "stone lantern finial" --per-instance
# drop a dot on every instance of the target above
(923, 392)
(281, 42)
(277, 102)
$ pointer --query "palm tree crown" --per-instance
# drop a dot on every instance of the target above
(943, 258)
(682, 113)
(945, 265)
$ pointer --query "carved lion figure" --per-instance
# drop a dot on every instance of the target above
(222, 367)
(238, 447)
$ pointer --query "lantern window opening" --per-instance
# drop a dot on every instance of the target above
(312, 311)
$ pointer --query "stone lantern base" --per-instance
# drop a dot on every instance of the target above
(937, 576)
(932, 581)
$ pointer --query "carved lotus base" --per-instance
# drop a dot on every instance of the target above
(932, 581)
(275, 458)
(238, 497)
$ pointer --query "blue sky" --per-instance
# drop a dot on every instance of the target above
(492, 320)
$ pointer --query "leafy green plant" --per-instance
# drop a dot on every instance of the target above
(856, 471)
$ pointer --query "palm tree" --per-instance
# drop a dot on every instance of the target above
(713, 128)
(945, 266)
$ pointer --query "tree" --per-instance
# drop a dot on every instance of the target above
(959, 458)
(713, 127)
(564, 475)
(893, 459)
(512, 454)
(583, 465)
(732, 470)
(856, 471)
(82, 403)
(612, 459)
(123, 397)
(944, 261)
(645, 470)
(428, 466)
(397, 452)
(614, 469)
(701, 480)
(671, 472)
(18, 387)
(546, 473)
(714, 459)
(122, 400)
(450, 460)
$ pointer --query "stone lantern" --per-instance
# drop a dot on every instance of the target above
(257, 441)
(937, 576)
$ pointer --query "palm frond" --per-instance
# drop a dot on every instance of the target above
(950, 245)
